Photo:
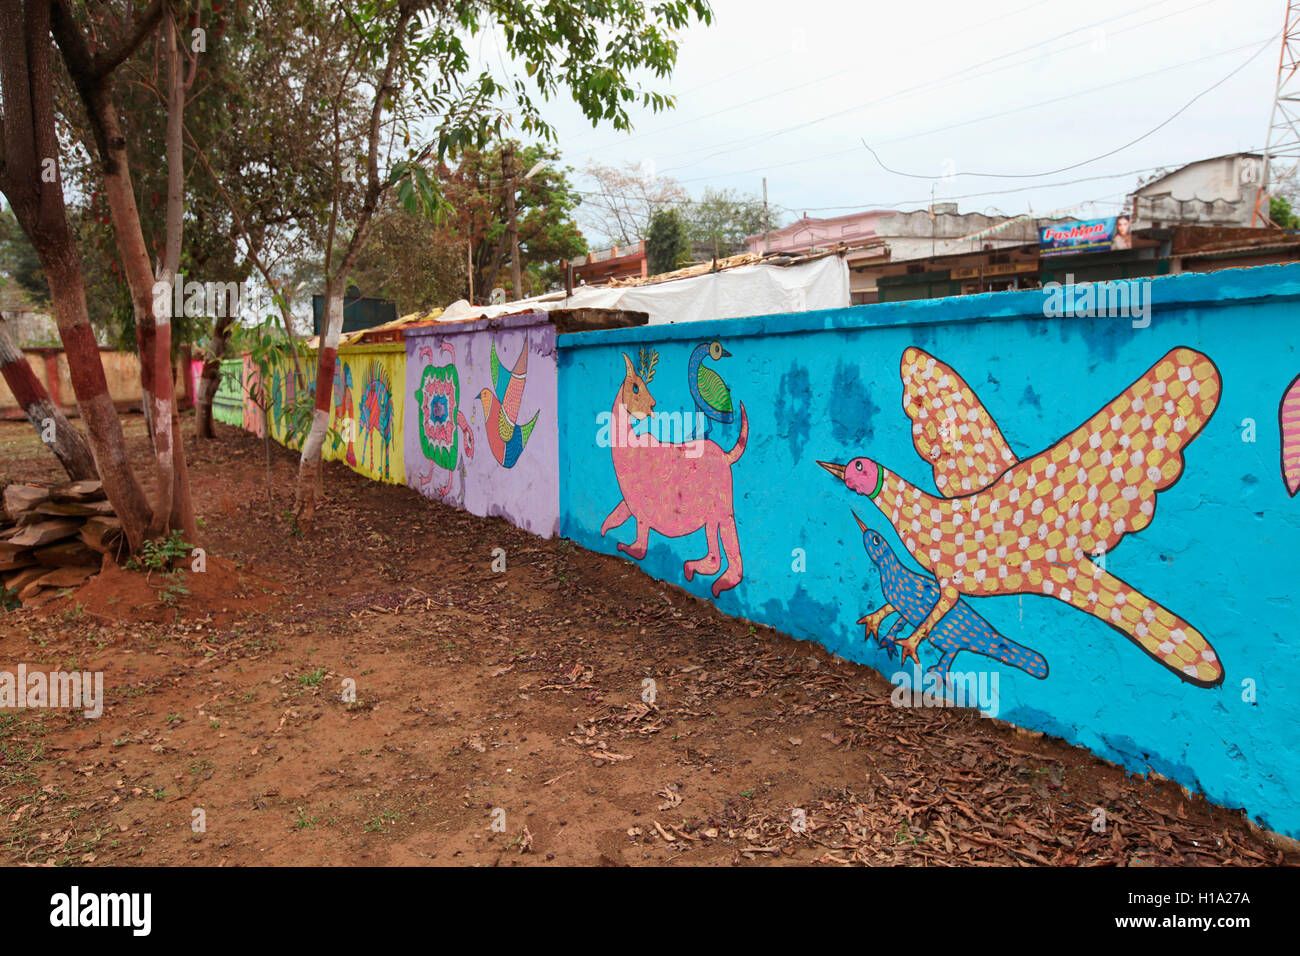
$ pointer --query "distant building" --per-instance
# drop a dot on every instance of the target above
(1209, 192)
(618, 262)
(875, 239)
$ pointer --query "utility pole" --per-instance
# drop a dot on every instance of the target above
(932, 220)
(508, 168)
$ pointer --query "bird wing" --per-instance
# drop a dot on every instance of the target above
(505, 427)
(495, 365)
(1099, 483)
(512, 394)
(527, 429)
(713, 389)
(951, 429)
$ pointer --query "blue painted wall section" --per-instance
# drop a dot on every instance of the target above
(1136, 535)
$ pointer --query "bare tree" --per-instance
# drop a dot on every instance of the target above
(625, 199)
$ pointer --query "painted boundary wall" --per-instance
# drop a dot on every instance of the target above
(463, 412)
(228, 402)
(1097, 513)
(369, 410)
(482, 433)
(50, 366)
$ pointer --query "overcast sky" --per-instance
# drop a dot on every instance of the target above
(946, 88)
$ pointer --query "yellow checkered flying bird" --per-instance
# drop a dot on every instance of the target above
(1005, 526)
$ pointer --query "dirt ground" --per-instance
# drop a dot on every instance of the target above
(498, 717)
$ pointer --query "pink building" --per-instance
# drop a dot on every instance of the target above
(875, 237)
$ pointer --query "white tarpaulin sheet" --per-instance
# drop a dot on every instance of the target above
(758, 289)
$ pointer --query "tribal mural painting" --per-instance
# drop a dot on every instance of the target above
(345, 414)
(250, 387)
(1001, 525)
(375, 424)
(501, 404)
(1288, 420)
(367, 413)
(228, 402)
(674, 488)
(913, 596)
(449, 368)
(710, 393)
(441, 420)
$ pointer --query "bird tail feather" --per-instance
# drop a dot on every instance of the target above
(1159, 632)
(738, 448)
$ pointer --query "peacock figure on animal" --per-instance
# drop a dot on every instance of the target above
(711, 395)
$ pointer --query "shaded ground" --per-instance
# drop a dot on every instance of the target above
(512, 699)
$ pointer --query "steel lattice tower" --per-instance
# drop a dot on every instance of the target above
(1284, 120)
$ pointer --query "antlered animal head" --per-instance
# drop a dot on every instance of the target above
(635, 395)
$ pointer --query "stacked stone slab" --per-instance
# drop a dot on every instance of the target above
(54, 537)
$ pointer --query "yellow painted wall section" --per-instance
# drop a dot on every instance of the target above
(369, 409)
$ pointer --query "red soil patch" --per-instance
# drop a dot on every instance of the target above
(219, 594)
(479, 693)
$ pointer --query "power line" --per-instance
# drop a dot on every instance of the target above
(941, 129)
(1063, 169)
(1068, 96)
(946, 80)
(999, 192)
(922, 86)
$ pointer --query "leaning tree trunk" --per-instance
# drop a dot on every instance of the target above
(94, 86)
(210, 377)
(62, 267)
(64, 439)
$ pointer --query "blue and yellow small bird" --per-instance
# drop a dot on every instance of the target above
(913, 596)
(710, 392)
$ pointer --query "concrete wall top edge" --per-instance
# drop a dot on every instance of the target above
(1185, 290)
(516, 320)
(370, 348)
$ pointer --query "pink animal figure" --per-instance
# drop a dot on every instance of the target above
(675, 488)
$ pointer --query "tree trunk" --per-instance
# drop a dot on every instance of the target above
(186, 352)
(31, 180)
(327, 355)
(174, 509)
(210, 378)
(64, 439)
(58, 255)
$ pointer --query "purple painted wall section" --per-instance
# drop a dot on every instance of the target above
(488, 446)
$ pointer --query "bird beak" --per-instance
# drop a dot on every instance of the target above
(861, 524)
(726, 354)
(834, 469)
